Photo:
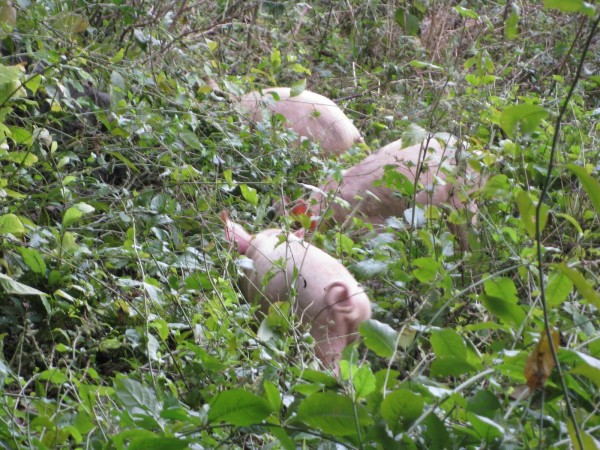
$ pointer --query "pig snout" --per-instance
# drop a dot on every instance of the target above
(311, 115)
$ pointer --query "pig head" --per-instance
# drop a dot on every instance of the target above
(328, 298)
(308, 114)
(440, 182)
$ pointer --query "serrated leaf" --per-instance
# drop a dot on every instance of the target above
(525, 117)
(589, 184)
(238, 407)
(332, 413)
(10, 223)
(379, 337)
(401, 407)
(33, 259)
(581, 284)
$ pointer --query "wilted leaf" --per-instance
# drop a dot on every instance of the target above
(238, 407)
(378, 337)
(540, 362)
(332, 413)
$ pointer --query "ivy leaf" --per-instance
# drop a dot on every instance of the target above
(379, 337)
(238, 407)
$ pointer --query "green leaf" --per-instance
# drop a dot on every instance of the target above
(298, 87)
(497, 187)
(332, 413)
(158, 443)
(589, 369)
(558, 289)
(413, 135)
(506, 311)
(364, 382)
(409, 22)
(427, 269)
(191, 140)
(11, 224)
(581, 284)
(21, 136)
(25, 159)
(275, 59)
(568, 5)
(10, 286)
(135, 396)
(448, 343)
(9, 74)
(238, 407)
(249, 194)
(511, 26)
(527, 212)
(589, 184)
(54, 376)
(393, 179)
(486, 428)
(501, 287)
(401, 407)
(273, 395)
(379, 337)
(76, 212)
(526, 117)
(33, 259)
(162, 327)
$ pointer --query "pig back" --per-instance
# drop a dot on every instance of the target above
(309, 114)
(431, 167)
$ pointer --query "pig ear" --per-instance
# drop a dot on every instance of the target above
(235, 233)
(337, 297)
(300, 233)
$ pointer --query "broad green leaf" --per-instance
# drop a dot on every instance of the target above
(33, 259)
(8, 74)
(506, 311)
(275, 59)
(134, 395)
(379, 337)
(249, 194)
(71, 216)
(158, 443)
(581, 284)
(10, 286)
(21, 136)
(401, 407)
(589, 442)
(464, 12)
(238, 407)
(9, 223)
(589, 369)
(589, 184)
(558, 289)
(273, 395)
(526, 117)
(511, 25)
(427, 269)
(364, 382)
(393, 179)
(501, 287)
(448, 343)
(191, 140)
(299, 68)
(571, 6)
(26, 159)
(298, 88)
(409, 22)
(486, 428)
(54, 376)
(162, 327)
(450, 367)
(333, 413)
(413, 135)
(497, 187)
(527, 212)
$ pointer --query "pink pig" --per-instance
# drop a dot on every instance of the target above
(328, 298)
(308, 114)
(437, 171)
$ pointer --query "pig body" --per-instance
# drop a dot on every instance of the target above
(308, 114)
(435, 166)
(328, 298)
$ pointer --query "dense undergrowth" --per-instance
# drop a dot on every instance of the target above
(122, 325)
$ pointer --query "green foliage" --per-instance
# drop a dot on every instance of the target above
(122, 325)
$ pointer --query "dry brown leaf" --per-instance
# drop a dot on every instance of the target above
(540, 363)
